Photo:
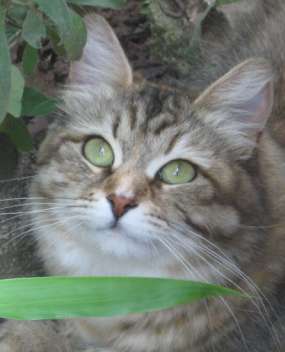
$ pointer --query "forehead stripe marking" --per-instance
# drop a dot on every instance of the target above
(116, 124)
(133, 115)
(163, 126)
(173, 142)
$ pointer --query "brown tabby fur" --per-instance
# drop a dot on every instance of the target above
(227, 226)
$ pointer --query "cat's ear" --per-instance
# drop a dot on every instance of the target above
(103, 60)
(240, 103)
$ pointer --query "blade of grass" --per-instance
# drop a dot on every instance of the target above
(69, 297)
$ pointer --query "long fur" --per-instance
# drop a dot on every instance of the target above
(224, 227)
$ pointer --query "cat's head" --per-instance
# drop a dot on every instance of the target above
(142, 172)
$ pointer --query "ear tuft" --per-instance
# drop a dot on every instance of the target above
(103, 60)
(240, 103)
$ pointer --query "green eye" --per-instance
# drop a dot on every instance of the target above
(98, 152)
(177, 172)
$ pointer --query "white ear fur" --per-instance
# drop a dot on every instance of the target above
(103, 60)
(240, 103)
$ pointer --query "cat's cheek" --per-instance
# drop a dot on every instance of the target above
(223, 219)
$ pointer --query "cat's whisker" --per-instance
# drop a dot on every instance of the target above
(32, 228)
(189, 268)
(210, 324)
(37, 198)
(180, 258)
(16, 179)
(155, 249)
(16, 235)
(221, 261)
(22, 214)
(232, 267)
(263, 313)
(235, 319)
(260, 227)
(225, 260)
(24, 205)
(29, 222)
(29, 212)
(259, 305)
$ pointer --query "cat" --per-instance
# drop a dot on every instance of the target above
(135, 179)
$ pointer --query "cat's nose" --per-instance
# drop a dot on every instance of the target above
(120, 204)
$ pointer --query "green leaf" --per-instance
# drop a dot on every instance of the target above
(5, 67)
(33, 29)
(36, 104)
(30, 59)
(56, 41)
(17, 89)
(11, 32)
(17, 13)
(76, 38)
(70, 26)
(69, 297)
(17, 131)
(112, 4)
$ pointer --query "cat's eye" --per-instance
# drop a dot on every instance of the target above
(98, 152)
(177, 172)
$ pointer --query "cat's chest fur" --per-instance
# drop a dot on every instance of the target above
(175, 330)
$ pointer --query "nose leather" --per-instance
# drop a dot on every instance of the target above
(120, 204)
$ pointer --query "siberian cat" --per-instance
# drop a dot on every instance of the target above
(137, 180)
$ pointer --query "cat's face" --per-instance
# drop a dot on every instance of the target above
(140, 172)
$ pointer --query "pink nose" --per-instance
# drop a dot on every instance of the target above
(120, 204)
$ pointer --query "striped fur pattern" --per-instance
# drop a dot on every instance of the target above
(224, 227)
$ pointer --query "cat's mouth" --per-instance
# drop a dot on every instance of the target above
(120, 231)
(115, 224)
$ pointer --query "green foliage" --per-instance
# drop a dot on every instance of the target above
(34, 29)
(16, 92)
(35, 103)
(31, 21)
(30, 60)
(69, 25)
(18, 133)
(70, 297)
